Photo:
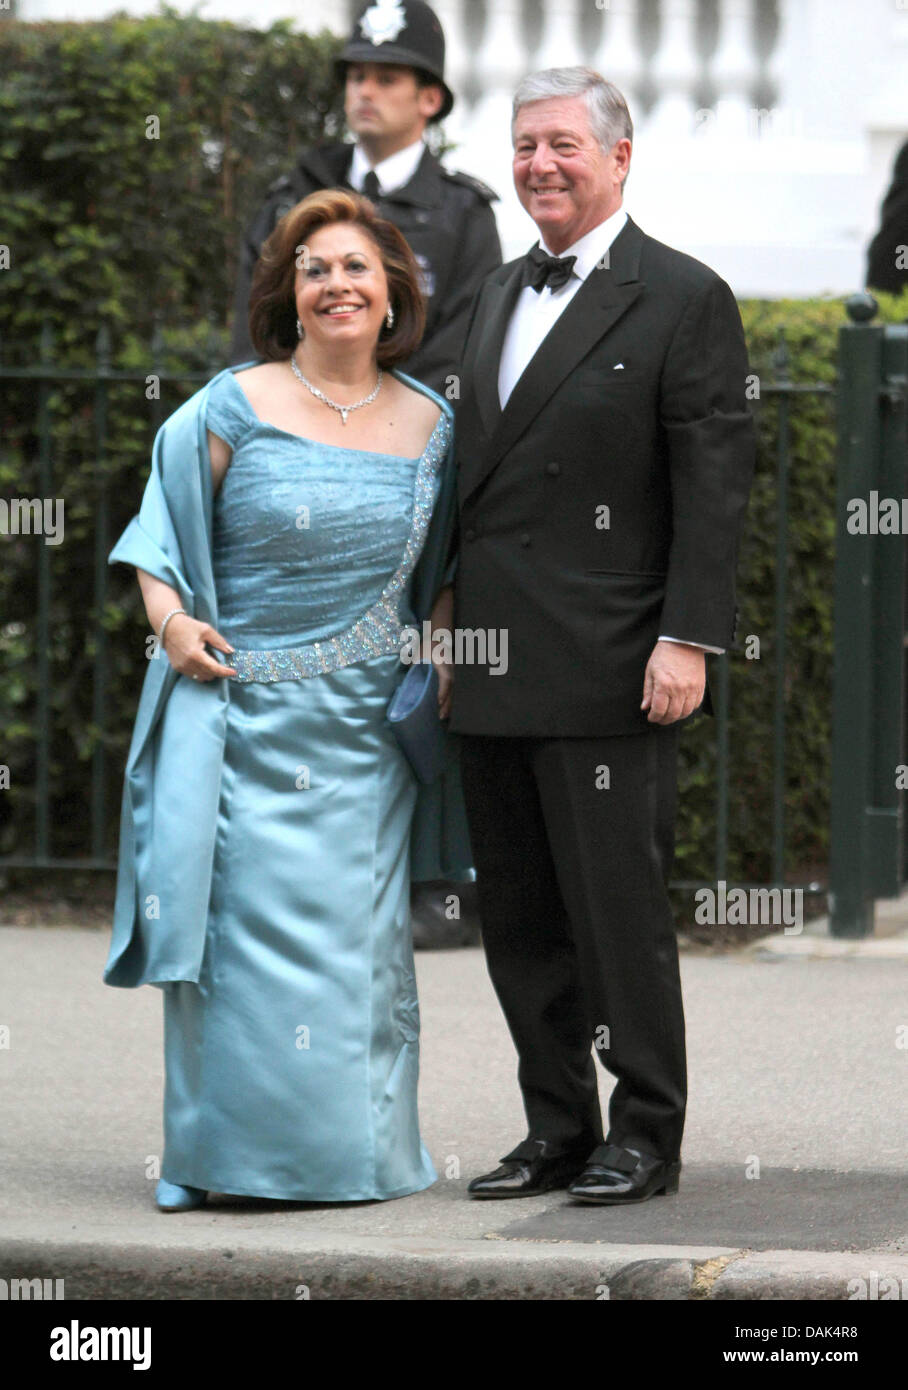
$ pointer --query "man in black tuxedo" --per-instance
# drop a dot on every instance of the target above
(605, 458)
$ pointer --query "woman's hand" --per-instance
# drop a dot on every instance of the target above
(441, 619)
(184, 643)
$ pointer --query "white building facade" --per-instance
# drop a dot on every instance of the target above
(765, 130)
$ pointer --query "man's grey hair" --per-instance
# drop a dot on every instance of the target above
(610, 119)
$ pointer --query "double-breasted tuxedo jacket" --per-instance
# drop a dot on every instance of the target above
(603, 506)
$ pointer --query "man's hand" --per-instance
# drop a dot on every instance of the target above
(674, 682)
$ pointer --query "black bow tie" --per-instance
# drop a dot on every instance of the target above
(542, 269)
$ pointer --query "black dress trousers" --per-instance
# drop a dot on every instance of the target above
(573, 841)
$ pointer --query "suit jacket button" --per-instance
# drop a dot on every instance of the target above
(525, 538)
(469, 535)
(553, 468)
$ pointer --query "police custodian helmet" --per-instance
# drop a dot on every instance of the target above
(406, 32)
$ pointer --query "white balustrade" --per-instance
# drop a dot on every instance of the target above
(458, 51)
(502, 58)
(484, 131)
(674, 71)
(618, 55)
(733, 68)
(560, 44)
(785, 116)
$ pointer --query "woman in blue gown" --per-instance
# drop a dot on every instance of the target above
(291, 1062)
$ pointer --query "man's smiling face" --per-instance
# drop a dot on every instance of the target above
(565, 180)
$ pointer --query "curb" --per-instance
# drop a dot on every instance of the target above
(817, 946)
(416, 1268)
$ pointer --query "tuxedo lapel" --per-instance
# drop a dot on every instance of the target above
(602, 299)
(499, 307)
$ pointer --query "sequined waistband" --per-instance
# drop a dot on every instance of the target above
(376, 633)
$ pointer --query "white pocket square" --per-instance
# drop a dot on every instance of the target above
(618, 367)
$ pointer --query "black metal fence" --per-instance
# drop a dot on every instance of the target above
(46, 375)
(867, 824)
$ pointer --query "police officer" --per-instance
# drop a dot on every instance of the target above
(393, 68)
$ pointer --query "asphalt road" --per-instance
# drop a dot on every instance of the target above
(796, 1074)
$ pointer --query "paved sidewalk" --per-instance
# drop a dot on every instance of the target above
(795, 1074)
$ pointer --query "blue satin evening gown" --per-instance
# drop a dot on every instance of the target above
(291, 1067)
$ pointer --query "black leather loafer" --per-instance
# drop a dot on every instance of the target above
(614, 1176)
(528, 1171)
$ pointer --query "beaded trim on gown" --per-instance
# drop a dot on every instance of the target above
(291, 1067)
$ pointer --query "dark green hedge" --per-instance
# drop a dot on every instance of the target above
(109, 226)
(110, 230)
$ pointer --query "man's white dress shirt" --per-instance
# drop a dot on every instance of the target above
(392, 172)
(535, 314)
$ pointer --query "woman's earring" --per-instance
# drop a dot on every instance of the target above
(389, 317)
(299, 329)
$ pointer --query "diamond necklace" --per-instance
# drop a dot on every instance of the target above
(343, 410)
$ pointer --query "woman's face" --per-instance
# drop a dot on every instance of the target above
(341, 287)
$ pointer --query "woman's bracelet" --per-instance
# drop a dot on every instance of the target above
(172, 614)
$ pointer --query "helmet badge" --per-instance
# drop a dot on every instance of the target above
(383, 22)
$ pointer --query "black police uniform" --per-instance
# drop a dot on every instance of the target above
(446, 218)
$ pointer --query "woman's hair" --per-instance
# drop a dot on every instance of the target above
(272, 301)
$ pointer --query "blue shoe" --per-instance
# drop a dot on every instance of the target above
(171, 1197)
